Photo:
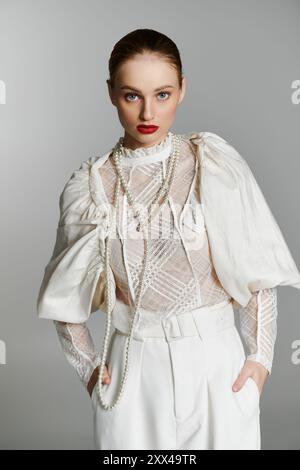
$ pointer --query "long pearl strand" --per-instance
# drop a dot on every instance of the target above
(162, 194)
(163, 191)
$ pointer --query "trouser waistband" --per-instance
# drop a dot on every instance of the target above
(204, 322)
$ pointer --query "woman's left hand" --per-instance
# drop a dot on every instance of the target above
(251, 369)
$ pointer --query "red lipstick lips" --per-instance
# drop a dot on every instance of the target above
(147, 129)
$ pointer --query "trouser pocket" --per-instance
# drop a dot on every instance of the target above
(225, 358)
(248, 397)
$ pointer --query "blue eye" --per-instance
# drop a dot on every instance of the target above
(164, 93)
(160, 93)
(130, 94)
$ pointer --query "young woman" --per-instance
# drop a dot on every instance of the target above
(166, 233)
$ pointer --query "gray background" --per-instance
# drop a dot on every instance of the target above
(240, 59)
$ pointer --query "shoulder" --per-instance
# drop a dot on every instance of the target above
(213, 141)
(215, 151)
(79, 177)
(77, 200)
(218, 156)
(77, 184)
(83, 178)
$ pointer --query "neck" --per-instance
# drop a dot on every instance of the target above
(133, 144)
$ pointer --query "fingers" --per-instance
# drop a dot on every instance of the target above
(106, 376)
(241, 379)
(252, 369)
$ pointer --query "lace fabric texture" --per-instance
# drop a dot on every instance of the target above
(78, 346)
(180, 274)
(259, 326)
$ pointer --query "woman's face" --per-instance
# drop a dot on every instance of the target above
(142, 97)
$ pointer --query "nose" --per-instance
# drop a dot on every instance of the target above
(146, 111)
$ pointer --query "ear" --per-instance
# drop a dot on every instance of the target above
(183, 90)
(111, 93)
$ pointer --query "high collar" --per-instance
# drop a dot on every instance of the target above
(147, 155)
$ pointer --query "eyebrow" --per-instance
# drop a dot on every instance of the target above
(156, 89)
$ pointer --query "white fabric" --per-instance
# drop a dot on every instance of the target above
(78, 346)
(180, 275)
(203, 263)
(259, 326)
(178, 393)
(248, 249)
(147, 155)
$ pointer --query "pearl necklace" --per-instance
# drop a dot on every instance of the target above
(162, 196)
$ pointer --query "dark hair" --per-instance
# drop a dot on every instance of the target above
(140, 41)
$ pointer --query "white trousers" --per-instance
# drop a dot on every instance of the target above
(178, 393)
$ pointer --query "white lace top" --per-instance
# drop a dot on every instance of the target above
(181, 274)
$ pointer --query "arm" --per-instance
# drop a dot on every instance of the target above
(73, 284)
(78, 346)
(259, 326)
(259, 330)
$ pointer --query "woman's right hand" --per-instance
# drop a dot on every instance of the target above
(94, 378)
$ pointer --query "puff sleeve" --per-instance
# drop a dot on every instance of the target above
(73, 284)
(248, 249)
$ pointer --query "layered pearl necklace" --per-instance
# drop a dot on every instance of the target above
(160, 198)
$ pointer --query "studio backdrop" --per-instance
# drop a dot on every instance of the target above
(242, 66)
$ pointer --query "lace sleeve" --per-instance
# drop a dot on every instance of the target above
(259, 326)
(78, 346)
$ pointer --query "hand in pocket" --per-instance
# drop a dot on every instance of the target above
(255, 371)
(94, 378)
